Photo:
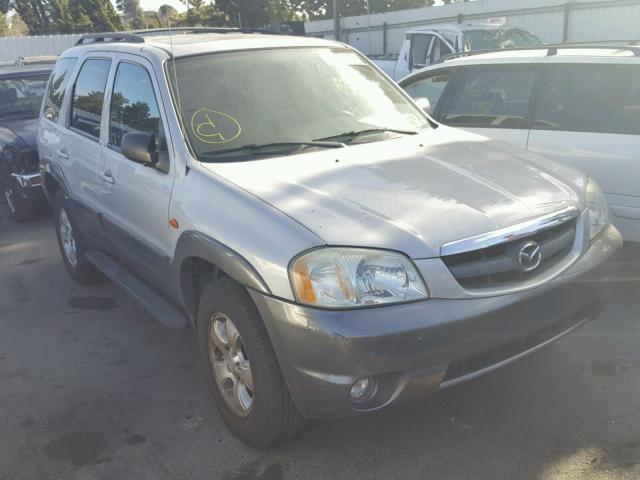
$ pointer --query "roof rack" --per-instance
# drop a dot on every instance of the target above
(109, 38)
(137, 36)
(552, 50)
(196, 30)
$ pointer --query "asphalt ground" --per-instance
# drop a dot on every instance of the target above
(91, 387)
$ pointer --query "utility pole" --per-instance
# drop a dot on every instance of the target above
(336, 21)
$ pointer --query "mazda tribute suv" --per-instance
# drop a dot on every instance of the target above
(335, 249)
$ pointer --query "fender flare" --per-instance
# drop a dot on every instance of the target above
(193, 244)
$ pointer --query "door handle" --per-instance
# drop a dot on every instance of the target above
(107, 177)
(63, 153)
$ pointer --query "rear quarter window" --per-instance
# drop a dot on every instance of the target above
(589, 98)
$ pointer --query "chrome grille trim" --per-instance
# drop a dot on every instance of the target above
(509, 234)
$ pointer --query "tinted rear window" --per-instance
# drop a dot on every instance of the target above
(590, 98)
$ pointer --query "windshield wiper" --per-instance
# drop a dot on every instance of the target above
(276, 146)
(357, 133)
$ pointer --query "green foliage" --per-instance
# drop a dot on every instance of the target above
(319, 9)
(65, 16)
(4, 25)
(131, 12)
(255, 13)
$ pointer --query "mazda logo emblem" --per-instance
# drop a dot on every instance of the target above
(529, 256)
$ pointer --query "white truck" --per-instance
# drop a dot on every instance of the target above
(423, 46)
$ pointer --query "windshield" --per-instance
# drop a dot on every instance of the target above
(22, 95)
(498, 39)
(261, 97)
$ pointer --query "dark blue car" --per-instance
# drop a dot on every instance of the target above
(21, 91)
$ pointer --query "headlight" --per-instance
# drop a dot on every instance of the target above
(597, 209)
(351, 277)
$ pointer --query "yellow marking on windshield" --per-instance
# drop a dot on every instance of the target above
(211, 126)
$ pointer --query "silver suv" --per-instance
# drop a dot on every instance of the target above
(335, 250)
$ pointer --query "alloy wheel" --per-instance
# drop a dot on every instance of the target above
(230, 364)
(68, 239)
(9, 197)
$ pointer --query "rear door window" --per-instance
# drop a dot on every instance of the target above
(589, 98)
(56, 88)
(491, 97)
(88, 96)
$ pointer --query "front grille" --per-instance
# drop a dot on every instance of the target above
(498, 266)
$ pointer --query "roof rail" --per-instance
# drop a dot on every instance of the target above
(37, 60)
(552, 50)
(197, 30)
(109, 38)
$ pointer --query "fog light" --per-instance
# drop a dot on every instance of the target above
(361, 389)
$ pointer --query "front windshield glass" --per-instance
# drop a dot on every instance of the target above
(259, 97)
(22, 95)
(498, 39)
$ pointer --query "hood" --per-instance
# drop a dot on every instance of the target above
(20, 132)
(411, 194)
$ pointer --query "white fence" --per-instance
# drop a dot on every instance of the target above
(552, 20)
(13, 47)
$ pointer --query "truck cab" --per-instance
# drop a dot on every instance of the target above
(427, 45)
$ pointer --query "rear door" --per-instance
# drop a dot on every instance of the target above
(493, 101)
(80, 147)
(588, 116)
(136, 197)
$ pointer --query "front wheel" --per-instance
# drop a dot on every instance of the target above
(243, 373)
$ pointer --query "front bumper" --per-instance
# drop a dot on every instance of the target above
(415, 349)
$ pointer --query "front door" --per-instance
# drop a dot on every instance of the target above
(136, 196)
(79, 151)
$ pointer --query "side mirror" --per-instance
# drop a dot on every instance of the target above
(424, 104)
(140, 147)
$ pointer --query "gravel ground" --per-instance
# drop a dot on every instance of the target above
(91, 387)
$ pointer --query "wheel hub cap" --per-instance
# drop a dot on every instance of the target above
(8, 195)
(230, 364)
(68, 239)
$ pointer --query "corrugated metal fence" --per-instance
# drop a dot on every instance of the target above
(13, 47)
(552, 20)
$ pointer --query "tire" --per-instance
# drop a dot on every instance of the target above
(20, 209)
(271, 416)
(67, 232)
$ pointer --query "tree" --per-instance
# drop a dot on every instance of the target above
(318, 9)
(65, 16)
(167, 15)
(131, 12)
(4, 25)
(255, 13)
